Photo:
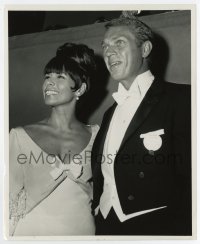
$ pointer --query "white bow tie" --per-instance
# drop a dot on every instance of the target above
(121, 95)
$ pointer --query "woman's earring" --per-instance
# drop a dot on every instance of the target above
(78, 95)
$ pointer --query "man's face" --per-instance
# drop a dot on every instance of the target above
(122, 55)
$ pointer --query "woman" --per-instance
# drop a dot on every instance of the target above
(50, 171)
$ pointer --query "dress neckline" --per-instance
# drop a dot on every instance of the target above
(30, 138)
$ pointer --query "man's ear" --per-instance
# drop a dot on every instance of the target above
(146, 49)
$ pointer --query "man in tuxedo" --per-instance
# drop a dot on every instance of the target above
(141, 158)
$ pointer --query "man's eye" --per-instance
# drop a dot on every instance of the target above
(104, 47)
(120, 42)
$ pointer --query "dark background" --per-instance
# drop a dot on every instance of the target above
(24, 22)
(29, 53)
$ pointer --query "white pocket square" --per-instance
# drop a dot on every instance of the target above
(152, 140)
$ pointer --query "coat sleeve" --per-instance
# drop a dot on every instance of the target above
(17, 196)
(97, 151)
(183, 158)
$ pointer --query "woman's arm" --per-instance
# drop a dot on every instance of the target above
(17, 195)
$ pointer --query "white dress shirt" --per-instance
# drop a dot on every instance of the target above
(128, 103)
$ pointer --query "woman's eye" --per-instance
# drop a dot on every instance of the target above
(47, 77)
(61, 77)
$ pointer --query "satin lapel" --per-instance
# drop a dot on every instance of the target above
(150, 100)
(101, 136)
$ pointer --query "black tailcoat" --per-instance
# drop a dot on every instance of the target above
(148, 179)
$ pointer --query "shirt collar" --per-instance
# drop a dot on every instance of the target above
(142, 83)
(138, 88)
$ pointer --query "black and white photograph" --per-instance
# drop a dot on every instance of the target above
(100, 123)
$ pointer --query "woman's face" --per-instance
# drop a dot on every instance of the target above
(57, 89)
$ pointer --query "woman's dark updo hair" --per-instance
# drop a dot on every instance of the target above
(76, 60)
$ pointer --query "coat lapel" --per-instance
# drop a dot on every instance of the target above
(106, 123)
(151, 98)
(98, 145)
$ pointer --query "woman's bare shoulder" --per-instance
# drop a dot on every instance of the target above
(37, 129)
